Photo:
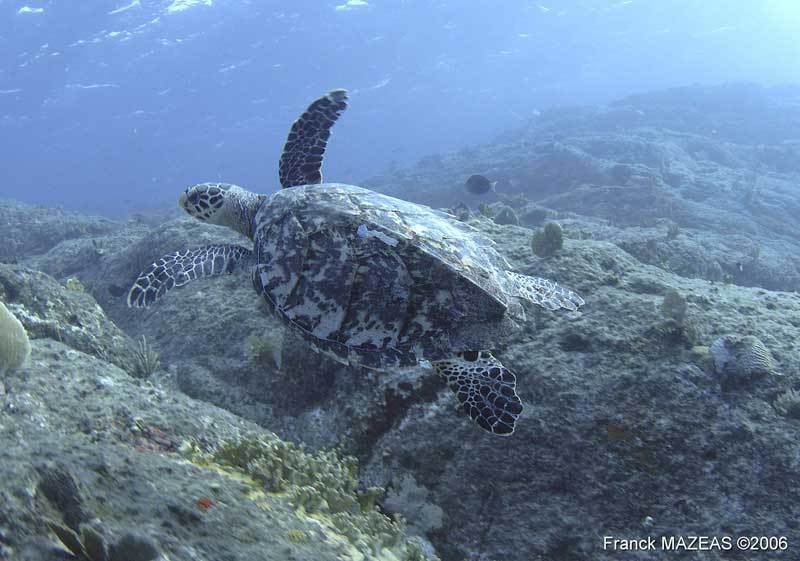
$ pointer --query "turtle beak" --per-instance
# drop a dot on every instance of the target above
(183, 199)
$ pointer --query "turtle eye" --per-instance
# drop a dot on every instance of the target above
(194, 198)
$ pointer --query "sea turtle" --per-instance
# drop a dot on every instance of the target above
(368, 279)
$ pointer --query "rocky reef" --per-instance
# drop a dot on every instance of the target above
(668, 406)
(99, 464)
(697, 181)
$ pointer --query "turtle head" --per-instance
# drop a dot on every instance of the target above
(223, 204)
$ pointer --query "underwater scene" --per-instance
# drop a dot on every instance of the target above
(399, 280)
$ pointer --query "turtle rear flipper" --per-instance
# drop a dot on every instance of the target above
(301, 160)
(485, 388)
(180, 267)
(543, 292)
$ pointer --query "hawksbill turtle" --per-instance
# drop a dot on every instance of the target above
(368, 279)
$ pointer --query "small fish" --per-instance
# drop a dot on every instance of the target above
(479, 185)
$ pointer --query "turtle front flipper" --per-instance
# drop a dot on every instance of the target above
(485, 388)
(301, 161)
(180, 267)
(543, 292)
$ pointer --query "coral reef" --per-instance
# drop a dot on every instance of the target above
(741, 359)
(506, 215)
(674, 306)
(676, 238)
(533, 216)
(322, 484)
(49, 310)
(32, 230)
(788, 403)
(547, 241)
(96, 462)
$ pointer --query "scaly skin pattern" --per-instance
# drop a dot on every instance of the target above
(301, 160)
(377, 281)
(485, 389)
(178, 268)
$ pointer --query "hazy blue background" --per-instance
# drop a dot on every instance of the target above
(110, 105)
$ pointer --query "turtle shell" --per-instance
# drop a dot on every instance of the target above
(377, 281)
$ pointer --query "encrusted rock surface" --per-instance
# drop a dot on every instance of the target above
(28, 230)
(68, 314)
(723, 170)
(83, 443)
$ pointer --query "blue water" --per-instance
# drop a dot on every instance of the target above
(113, 105)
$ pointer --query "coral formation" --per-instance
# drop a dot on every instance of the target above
(15, 348)
(49, 310)
(506, 215)
(322, 484)
(533, 216)
(674, 306)
(788, 404)
(72, 283)
(146, 358)
(485, 210)
(547, 241)
(266, 350)
(741, 359)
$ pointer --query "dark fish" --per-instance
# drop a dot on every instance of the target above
(479, 185)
